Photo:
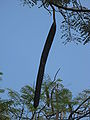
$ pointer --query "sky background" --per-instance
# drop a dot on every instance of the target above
(23, 32)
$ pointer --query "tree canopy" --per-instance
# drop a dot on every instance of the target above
(76, 18)
(56, 102)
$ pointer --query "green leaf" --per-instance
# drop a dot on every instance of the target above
(1, 73)
(2, 90)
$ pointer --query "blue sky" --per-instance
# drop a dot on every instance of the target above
(23, 32)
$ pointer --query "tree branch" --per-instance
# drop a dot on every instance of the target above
(70, 9)
(77, 108)
(82, 116)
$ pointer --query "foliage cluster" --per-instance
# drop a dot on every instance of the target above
(56, 102)
(76, 18)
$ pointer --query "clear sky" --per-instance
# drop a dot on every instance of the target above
(23, 32)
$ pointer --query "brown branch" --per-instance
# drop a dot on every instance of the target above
(70, 9)
(82, 116)
(43, 60)
(78, 108)
(33, 115)
(42, 108)
(21, 112)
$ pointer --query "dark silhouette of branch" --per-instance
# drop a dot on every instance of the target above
(42, 108)
(77, 108)
(21, 112)
(56, 75)
(43, 60)
(52, 2)
(33, 115)
(82, 116)
(70, 9)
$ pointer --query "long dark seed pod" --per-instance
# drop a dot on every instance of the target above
(43, 60)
